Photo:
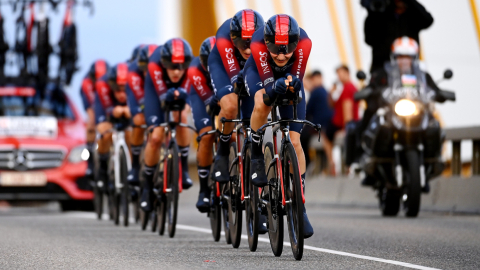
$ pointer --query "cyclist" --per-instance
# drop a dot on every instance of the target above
(87, 92)
(227, 59)
(110, 105)
(165, 81)
(201, 93)
(136, 97)
(280, 53)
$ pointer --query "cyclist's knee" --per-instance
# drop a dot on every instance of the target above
(229, 106)
(139, 119)
(260, 107)
(156, 138)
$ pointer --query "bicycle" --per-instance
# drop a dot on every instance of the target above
(284, 190)
(168, 174)
(218, 204)
(242, 194)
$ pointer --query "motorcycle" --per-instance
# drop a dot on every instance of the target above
(402, 143)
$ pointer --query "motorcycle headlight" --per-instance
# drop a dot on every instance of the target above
(78, 154)
(405, 107)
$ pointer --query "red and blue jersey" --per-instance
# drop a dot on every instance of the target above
(104, 95)
(200, 81)
(87, 92)
(157, 77)
(268, 70)
(135, 79)
(225, 61)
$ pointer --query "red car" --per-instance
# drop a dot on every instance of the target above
(42, 149)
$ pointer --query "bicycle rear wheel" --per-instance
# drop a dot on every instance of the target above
(125, 194)
(173, 175)
(224, 207)
(234, 202)
(293, 197)
(251, 202)
(274, 205)
(114, 193)
(98, 201)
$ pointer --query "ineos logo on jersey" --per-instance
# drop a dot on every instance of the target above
(264, 62)
(230, 59)
(136, 87)
(197, 81)
(158, 80)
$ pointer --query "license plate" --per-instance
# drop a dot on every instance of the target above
(23, 179)
(28, 126)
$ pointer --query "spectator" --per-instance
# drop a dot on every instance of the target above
(318, 112)
(400, 18)
(345, 108)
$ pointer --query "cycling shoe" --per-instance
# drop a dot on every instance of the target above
(133, 177)
(220, 169)
(186, 181)
(257, 169)
(307, 227)
(146, 201)
(262, 224)
(203, 202)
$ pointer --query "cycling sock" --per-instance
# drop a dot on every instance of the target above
(184, 156)
(104, 158)
(256, 145)
(224, 145)
(203, 172)
(136, 150)
(148, 171)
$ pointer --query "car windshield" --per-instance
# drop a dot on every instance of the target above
(54, 103)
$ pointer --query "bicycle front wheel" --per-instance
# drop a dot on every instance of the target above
(234, 201)
(293, 197)
(215, 214)
(251, 202)
(173, 175)
(274, 205)
(125, 194)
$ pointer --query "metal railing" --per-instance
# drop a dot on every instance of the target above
(456, 136)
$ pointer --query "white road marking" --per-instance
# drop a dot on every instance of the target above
(266, 240)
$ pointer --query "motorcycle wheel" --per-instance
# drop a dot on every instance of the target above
(389, 201)
(413, 190)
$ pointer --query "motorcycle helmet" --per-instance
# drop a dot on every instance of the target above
(205, 49)
(281, 34)
(242, 27)
(405, 46)
(117, 76)
(176, 54)
(144, 54)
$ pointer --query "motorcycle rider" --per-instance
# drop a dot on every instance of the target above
(165, 81)
(87, 92)
(136, 97)
(201, 93)
(110, 106)
(225, 62)
(404, 61)
(280, 53)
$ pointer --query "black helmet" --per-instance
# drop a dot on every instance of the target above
(176, 54)
(117, 76)
(205, 49)
(135, 52)
(242, 27)
(281, 34)
(97, 69)
(144, 54)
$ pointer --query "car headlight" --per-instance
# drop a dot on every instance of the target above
(78, 154)
(405, 107)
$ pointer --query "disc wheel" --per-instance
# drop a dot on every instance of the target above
(234, 201)
(173, 176)
(274, 205)
(251, 202)
(412, 193)
(293, 197)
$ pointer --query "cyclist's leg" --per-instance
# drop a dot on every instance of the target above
(183, 140)
(104, 142)
(228, 109)
(204, 151)
(295, 131)
(154, 115)
(90, 139)
(258, 118)
(136, 142)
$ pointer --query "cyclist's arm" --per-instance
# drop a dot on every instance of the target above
(219, 76)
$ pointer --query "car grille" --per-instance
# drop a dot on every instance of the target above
(30, 159)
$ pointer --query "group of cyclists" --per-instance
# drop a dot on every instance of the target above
(265, 59)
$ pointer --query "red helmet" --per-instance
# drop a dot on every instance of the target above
(281, 34)
(242, 27)
(117, 75)
(176, 54)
